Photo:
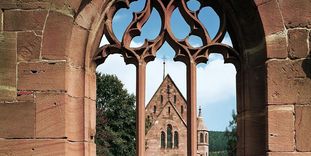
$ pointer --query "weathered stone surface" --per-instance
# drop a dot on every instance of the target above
(28, 46)
(298, 43)
(77, 46)
(29, 147)
(24, 20)
(7, 66)
(50, 115)
(75, 82)
(90, 85)
(1, 20)
(303, 126)
(276, 45)
(90, 119)
(56, 36)
(75, 118)
(289, 153)
(17, 120)
(281, 128)
(288, 82)
(271, 17)
(25, 96)
(296, 13)
(41, 76)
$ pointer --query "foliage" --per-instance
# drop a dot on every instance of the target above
(115, 125)
(231, 134)
(217, 143)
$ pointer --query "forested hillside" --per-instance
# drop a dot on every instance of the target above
(218, 144)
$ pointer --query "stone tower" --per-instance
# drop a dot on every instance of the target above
(203, 145)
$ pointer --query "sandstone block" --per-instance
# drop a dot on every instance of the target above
(296, 13)
(18, 20)
(303, 126)
(50, 115)
(56, 36)
(75, 118)
(17, 120)
(288, 82)
(276, 45)
(75, 82)
(41, 76)
(90, 119)
(297, 43)
(77, 46)
(271, 17)
(27, 147)
(289, 153)
(7, 66)
(281, 128)
(28, 46)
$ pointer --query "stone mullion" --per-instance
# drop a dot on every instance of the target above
(140, 108)
(191, 110)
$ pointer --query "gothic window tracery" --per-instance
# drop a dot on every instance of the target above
(184, 52)
(162, 139)
(169, 136)
(176, 139)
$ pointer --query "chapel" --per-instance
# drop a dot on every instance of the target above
(166, 123)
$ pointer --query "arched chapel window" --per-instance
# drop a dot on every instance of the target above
(206, 138)
(169, 136)
(176, 141)
(161, 99)
(175, 99)
(201, 138)
(162, 139)
(154, 109)
(182, 109)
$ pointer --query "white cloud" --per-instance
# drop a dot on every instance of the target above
(115, 65)
(227, 40)
(104, 41)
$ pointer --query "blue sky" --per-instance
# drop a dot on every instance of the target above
(215, 80)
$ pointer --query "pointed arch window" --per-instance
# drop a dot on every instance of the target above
(176, 141)
(162, 139)
(201, 138)
(182, 109)
(175, 99)
(206, 138)
(169, 136)
(185, 53)
(154, 109)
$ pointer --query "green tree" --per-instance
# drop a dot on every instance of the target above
(115, 126)
(231, 134)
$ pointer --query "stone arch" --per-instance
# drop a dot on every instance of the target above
(261, 30)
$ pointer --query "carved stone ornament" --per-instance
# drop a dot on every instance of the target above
(184, 51)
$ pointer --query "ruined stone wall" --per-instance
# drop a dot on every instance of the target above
(47, 86)
(287, 26)
(47, 76)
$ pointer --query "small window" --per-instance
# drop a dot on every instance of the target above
(162, 139)
(201, 138)
(182, 109)
(169, 136)
(206, 138)
(175, 99)
(169, 110)
(154, 109)
(161, 98)
(176, 141)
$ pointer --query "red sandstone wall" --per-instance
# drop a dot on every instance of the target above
(287, 26)
(47, 88)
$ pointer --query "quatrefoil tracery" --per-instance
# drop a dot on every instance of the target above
(184, 51)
